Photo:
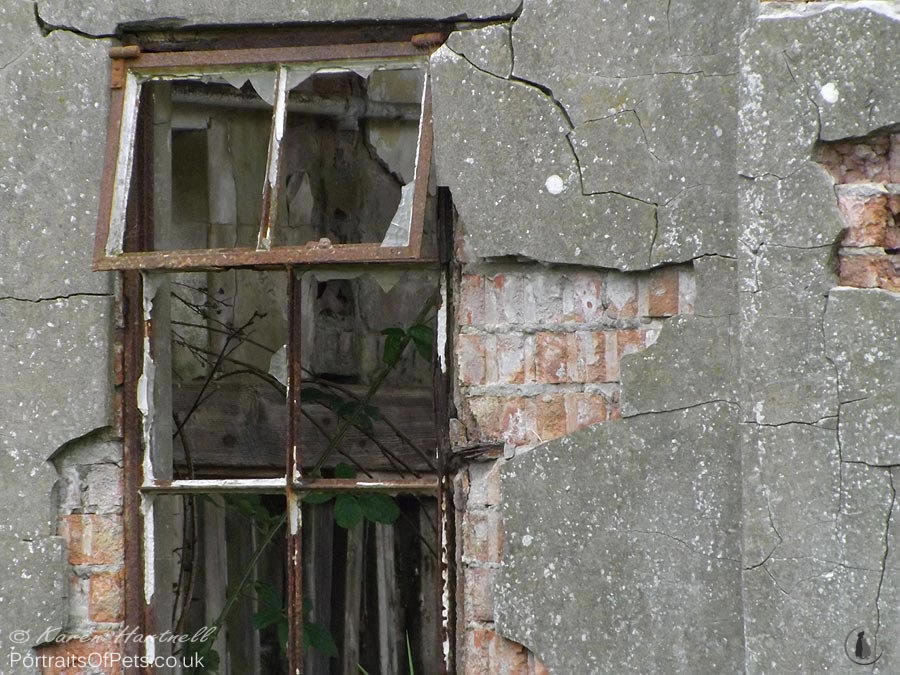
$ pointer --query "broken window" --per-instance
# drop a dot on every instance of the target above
(268, 157)
(284, 393)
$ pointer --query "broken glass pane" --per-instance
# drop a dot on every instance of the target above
(218, 412)
(351, 145)
(371, 567)
(367, 395)
(219, 571)
(201, 146)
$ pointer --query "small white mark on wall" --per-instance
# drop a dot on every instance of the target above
(554, 185)
(526, 540)
(829, 93)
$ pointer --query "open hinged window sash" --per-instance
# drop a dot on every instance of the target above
(288, 67)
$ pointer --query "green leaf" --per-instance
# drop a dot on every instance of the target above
(422, 337)
(282, 630)
(267, 617)
(378, 508)
(267, 594)
(316, 395)
(318, 638)
(317, 497)
(249, 505)
(393, 345)
(347, 511)
(343, 470)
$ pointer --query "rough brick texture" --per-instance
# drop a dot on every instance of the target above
(90, 523)
(538, 349)
(868, 177)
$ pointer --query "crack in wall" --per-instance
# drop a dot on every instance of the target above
(56, 297)
(692, 549)
(687, 407)
(47, 28)
(887, 533)
(17, 57)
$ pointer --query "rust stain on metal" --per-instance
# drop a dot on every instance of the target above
(244, 57)
(248, 257)
(293, 457)
(124, 52)
(425, 40)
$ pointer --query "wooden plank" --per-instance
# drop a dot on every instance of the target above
(318, 558)
(429, 628)
(353, 590)
(243, 426)
(388, 600)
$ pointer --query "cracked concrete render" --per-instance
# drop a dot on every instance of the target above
(813, 370)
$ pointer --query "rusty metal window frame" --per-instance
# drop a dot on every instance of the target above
(130, 68)
(129, 65)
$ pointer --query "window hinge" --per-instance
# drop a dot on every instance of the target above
(118, 56)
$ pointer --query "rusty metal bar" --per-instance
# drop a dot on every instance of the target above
(149, 62)
(403, 485)
(202, 259)
(294, 457)
(213, 486)
(135, 615)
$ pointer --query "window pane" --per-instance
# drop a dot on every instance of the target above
(221, 560)
(367, 387)
(350, 150)
(370, 585)
(202, 157)
(220, 405)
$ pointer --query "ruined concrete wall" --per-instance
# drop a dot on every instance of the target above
(699, 459)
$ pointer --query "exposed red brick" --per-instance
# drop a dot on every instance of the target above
(894, 160)
(587, 296)
(551, 417)
(622, 291)
(662, 292)
(509, 357)
(583, 410)
(490, 653)
(510, 658)
(593, 351)
(868, 219)
(503, 298)
(551, 357)
(865, 161)
(471, 300)
(479, 651)
(479, 593)
(870, 271)
(93, 539)
(482, 536)
(470, 358)
(628, 342)
(509, 419)
(537, 667)
(105, 604)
